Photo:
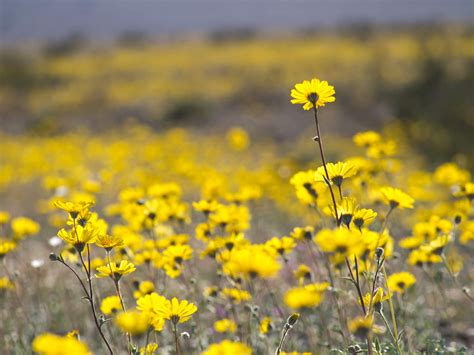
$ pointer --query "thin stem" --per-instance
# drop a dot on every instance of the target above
(384, 224)
(319, 140)
(91, 298)
(286, 329)
(392, 311)
(388, 327)
(176, 339)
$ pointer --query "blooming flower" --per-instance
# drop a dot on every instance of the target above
(132, 322)
(305, 297)
(79, 236)
(115, 270)
(110, 305)
(396, 198)
(73, 208)
(228, 347)
(176, 311)
(225, 325)
(400, 282)
(337, 172)
(314, 93)
(51, 344)
(108, 242)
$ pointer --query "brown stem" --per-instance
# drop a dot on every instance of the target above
(319, 140)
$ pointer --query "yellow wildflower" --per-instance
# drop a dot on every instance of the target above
(52, 344)
(225, 325)
(115, 270)
(396, 198)
(400, 282)
(314, 93)
(228, 347)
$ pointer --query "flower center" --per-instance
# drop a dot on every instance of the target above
(313, 97)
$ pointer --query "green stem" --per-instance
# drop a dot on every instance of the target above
(319, 140)
(392, 310)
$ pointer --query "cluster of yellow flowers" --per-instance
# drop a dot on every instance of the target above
(355, 254)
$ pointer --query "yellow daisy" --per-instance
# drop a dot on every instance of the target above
(314, 93)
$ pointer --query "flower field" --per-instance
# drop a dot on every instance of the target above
(159, 235)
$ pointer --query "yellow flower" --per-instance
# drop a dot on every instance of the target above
(346, 210)
(176, 311)
(5, 283)
(377, 299)
(337, 172)
(238, 139)
(115, 270)
(132, 322)
(363, 217)
(6, 246)
(467, 232)
(340, 241)
(4, 217)
(305, 297)
(228, 347)
(110, 305)
(419, 257)
(143, 288)
(366, 139)
(73, 208)
(51, 344)
(108, 242)
(466, 190)
(396, 198)
(266, 325)
(23, 227)
(225, 325)
(314, 93)
(451, 174)
(79, 236)
(436, 246)
(176, 254)
(401, 281)
(282, 246)
(306, 187)
(150, 349)
(252, 261)
(236, 295)
(305, 233)
(152, 305)
(302, 273)
(206, 206)
(360, 326)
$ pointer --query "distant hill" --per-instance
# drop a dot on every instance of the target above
(54, 19)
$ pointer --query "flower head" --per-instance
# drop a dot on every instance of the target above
(225, 325)
(73, 208)
(115, 270)
(337, 172)
(228, 347)
(110, 305)
(108, 242)
(396, 198)
(52, 344)
(314, 93)
(176, 311)
(401, 281)
(132, 322)
(79, 236)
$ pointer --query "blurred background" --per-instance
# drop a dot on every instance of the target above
(211, 65)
